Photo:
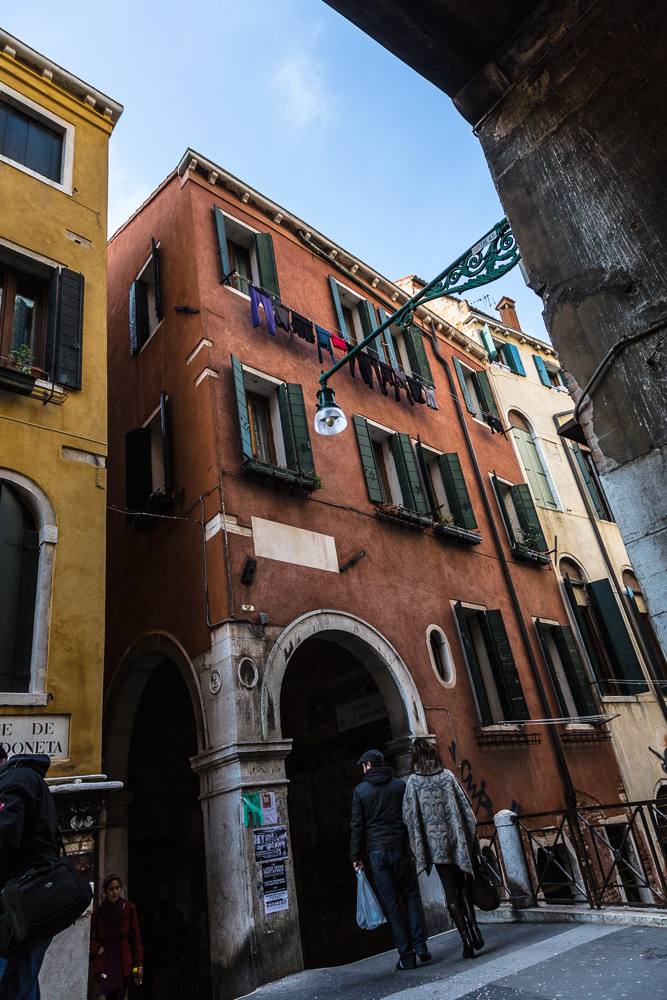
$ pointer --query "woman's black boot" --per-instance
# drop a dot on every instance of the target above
(468, 906)
(461, 925)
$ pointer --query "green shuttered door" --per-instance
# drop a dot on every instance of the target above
(456, 490)
(503, 667)
(367, 459)
(266, 263)
(617, 639)
(408, 474)
(527, 515)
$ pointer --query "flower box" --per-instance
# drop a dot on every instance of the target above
(266, 472)
(16, 381)
(395, 512)
(531, 555)
(459, 534)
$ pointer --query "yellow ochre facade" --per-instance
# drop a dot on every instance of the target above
(54, 135)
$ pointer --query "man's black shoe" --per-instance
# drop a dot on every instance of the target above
(425, 956)
(403, 967)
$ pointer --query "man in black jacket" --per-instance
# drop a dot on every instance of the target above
(377, 818)
(28, 837)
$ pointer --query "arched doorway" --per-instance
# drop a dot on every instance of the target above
(343, 690)
(152, 733)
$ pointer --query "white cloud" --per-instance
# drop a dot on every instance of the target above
(301, 94)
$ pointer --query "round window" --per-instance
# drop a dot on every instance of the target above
(248, 673)
(441, 657)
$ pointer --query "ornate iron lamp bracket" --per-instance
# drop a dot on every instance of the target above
(489, 259)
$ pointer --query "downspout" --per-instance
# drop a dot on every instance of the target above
(558, 749)
(588, 504)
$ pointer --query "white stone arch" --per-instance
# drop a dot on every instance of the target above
(404, 707)
(568, 555)
(41, 508)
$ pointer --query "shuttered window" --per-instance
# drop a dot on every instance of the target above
(485, 396)
(145, 302)
(573, 671)
(535, 472)
(476, 389)
(487, 340)
(417, 357)
(368, 324)
(266, 263)
(618, 644)
(391, 351)
(19, 560)
(513, 359)
(457, 492)
(464, 388)
(30, 143)
(64, 328)
(528, 518)
(507, 692)
(589, 476)
(542, 370)
(408, 474)
(371, 472)
(342, 328)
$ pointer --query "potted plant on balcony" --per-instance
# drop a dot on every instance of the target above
(532, 545)
(17, 372)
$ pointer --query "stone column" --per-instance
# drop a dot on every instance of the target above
(516, 869)
(248, 945)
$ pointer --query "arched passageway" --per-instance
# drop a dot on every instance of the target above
(338, 698)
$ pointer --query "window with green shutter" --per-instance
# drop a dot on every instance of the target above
(618, 644)
(266, 263)
(294, 423)
(408, 474)
(589, 475)
(368, 324)
(512, 359)
(542, 370)
(467, 399)
(533, 465)
(473, 664)
(457, 492)
(571, 683)
(531, 529)
(493, 672)
(64, 328)
(145, 301)
(487, 340)
(503, 667)
(371, 472)
(485, 395)
(417, 357)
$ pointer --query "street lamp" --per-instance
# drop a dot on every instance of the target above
(491, 258)
(329, 418)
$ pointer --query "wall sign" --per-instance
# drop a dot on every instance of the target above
(270, 842)
(358, 713)
(47, 734)
(274, 881)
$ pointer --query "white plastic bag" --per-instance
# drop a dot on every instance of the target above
(369, 914)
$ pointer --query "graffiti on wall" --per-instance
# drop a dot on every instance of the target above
(478, 796)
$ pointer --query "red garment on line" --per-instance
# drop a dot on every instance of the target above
(338, 343)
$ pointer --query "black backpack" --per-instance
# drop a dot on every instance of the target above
(40, 903)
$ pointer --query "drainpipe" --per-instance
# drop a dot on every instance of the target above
(570, 793)
(588, 504)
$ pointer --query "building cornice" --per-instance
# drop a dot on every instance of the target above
(94, 99)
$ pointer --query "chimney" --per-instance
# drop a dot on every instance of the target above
(507, 312)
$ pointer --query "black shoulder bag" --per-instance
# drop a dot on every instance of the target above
(484, 890)
(40, 903)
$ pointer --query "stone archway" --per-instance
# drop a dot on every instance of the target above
(388, 669)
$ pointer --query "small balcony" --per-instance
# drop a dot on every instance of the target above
(28, 380)
(527, 554)
(280, 476)
(448, 529)
(397, 514)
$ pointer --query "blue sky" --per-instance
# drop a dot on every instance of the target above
(295, 100)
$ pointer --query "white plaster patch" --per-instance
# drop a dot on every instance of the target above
(287, 544)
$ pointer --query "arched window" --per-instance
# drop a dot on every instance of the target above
(532, 461)
(19, 559)
(653, 651)
(440, 655)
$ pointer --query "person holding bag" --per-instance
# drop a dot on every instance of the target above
(443, 832)
(115, 942)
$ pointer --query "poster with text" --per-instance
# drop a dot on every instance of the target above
(270, 843)
(274, 881)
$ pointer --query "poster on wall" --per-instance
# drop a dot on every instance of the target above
(274, 881)
(269, 809)
(270, 843)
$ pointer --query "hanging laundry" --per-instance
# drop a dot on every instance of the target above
(339, 343)
(282, 316)
(350, 347)
(376, 368)
(258, 298)
(365, 369)
(430, 397)
(402, 381)
(415, 389)
(303, 327)
(387, 374)
(324, 341)
(495, 424)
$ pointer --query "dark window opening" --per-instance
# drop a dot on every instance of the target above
(30, 143)
(383, 479)
(261, 430)
(239, 261)
(19, 559)
(22, 320)
(436, 649)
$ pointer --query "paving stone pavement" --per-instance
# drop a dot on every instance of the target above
(519, 962)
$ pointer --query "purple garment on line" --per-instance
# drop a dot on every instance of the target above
(258, 298)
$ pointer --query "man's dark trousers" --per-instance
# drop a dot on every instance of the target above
(393, 872)
(19, 975)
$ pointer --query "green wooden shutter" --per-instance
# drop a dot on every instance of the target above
(222, 241)
(138, 316)
(138, 469)
(588, 480)
(408, 474)
(618, 643)
(542, 370)
(164, 427)
(574, 671)
(485, 393)
(457, 492)
(242, 407)
(156, 279)
(337, 306)
(503, 667)
(513, 359)
(368, 324)
(387, 338)
(532, 463)
(302, 458)
(414, 345)
(581, 625)
(426, 479)
(502, 507)
(266, 263)
(368, 460)
(487, 340)
(65, 334)
(527, 515)
(543, 635)
(287, 429)
(473, 666)
(464, 388)
(52, 323)
(134, 336)
(654, 664)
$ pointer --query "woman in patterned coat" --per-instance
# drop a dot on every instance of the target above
(442, 829)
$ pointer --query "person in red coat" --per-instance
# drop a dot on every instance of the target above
(115, 942)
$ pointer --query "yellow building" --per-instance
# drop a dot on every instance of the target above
(54, 134)
(622, 658)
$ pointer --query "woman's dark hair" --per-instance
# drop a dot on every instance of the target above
(423, 754)
(112, 878)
